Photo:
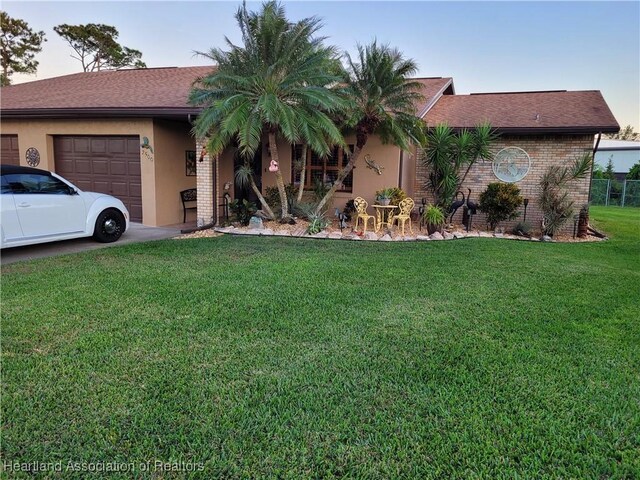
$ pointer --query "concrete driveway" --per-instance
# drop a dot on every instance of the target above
(136, 233)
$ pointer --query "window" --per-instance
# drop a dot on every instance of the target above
(23, 183)
(6, 188)
(320, 169)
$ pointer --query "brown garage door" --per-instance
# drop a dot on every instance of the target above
(10, 155)
(105, 164)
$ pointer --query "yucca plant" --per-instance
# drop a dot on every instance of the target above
(280, 82)
(554, 199)
(447, 152)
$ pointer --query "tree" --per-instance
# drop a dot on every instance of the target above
(18, 47)
(97, 48)
(280, 82)
(446, 153)
(627, 133)
(634, 172)
(381, 100)
(608, 171)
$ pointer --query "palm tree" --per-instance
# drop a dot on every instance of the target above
(277, 83)
(382, 100)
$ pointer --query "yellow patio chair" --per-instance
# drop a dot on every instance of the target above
(361, 211)
(405, 206)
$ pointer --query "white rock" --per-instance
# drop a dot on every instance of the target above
(458, 235)
(323, 234)
(448, 236)
(371, 236)
(335, 235)
(436, 236)
(385, 238)
(266, 231)
(409, 239)
(423, 238)
(485, 234)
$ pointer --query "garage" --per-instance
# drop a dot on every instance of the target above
(105, 164)
(10, 153)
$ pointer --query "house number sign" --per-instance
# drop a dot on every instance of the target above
(511, 164)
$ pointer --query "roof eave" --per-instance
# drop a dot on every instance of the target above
(132, 112)
(590, 130)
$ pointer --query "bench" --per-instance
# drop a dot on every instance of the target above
(188, 197)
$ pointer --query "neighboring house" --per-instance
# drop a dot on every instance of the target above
(624, 154)
(127, 133)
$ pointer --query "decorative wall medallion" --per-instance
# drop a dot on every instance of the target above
(33, 157)
(511, 164)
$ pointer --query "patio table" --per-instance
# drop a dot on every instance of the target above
(384, 215)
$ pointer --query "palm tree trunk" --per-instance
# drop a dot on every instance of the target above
(303, 172)
(263, 202)
(341, 176)
(273, 149)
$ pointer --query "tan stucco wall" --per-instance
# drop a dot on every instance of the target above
(172, 140)
(163, 175)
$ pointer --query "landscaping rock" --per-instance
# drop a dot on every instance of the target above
(546, 238)
(459, 235)
(323, 234)
(255, 222)
(335, 235)
(485, 234)
(448, 236)
(423, 238)
(266, 231)
(370, 236)
(385, 238)
(436, 236)
(224, 229)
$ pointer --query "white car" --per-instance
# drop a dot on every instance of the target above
(39, 206)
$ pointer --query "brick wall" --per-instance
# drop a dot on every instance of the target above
(544, 151)
(206, 187)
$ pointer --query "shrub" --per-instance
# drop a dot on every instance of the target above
(272, 196)
(317, 223)
(500, 202)
(522, 228)
(243, 210)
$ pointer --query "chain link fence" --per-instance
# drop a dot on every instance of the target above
(612, 192)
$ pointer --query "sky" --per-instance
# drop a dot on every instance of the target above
(484, 46)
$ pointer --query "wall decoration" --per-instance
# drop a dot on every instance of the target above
(511, 164)
(190, 163)
(373, 165)
(147, 149)
(33, 157)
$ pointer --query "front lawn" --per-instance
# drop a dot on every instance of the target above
(272, 357)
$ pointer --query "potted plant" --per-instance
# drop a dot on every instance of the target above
(434, 218)
(383, 197)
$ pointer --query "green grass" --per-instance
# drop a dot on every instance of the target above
(268, 357)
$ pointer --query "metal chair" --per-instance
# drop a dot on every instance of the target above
(190, 195)
(405, 207)
(361, 213)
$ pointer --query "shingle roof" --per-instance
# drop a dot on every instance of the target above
(432, 88)
(527, 112)
(135, 90)
(131, 89)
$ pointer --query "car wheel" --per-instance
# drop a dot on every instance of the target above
(110, 226)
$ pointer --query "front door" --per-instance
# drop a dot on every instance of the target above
(245, 192)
